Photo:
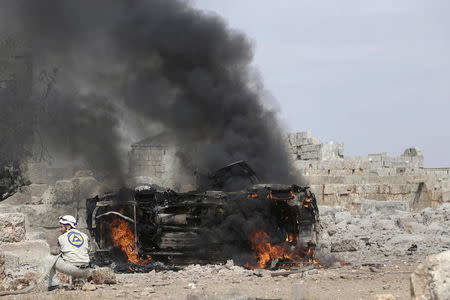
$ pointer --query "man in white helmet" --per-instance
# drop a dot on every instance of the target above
(74, 252)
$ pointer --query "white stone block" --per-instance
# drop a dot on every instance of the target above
(402, 188)
(64, 191)
(367, 189)
(340, 189)
(310, 148)
(332, 151)
(309, 155)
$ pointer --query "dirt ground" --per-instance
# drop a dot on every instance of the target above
(209, 282)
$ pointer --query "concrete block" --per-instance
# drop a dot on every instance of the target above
(332, 151)
(310, 148)
(29, 252)
(64, 191)
(12, 227)
(44, 215)
(343, 172)
(309, 155)
(49, 196)
(446, 196)
(402, 188)
(385, 207)
(384, 189)
(340, 189)
(367, 189)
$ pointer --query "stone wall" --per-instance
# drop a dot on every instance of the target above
(334, 178)
(43, 203)
(349, 181)
(22, 259)
(154, 161)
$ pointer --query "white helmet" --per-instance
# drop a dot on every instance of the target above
(68, 220)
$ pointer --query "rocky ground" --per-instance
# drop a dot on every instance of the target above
(381, 249)
(383, 234)
(214, 282)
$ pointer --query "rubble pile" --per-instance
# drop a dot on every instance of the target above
(378, 235)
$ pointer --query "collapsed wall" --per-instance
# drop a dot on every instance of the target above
(358, 181)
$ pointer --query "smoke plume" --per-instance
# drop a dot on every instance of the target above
(161, 61)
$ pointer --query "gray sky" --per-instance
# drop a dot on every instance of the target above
(372, 74)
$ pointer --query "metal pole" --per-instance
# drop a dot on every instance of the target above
(135, 226)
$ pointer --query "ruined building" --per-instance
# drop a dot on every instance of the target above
(353, 181)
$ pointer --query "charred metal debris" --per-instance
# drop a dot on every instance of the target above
(140, 229)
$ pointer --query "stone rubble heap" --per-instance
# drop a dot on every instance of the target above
(383, 233)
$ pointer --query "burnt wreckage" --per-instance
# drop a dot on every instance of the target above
(207, 225)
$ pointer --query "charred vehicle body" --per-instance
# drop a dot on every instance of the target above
(205, 226)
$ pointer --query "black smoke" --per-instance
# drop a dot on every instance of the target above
(159, 60)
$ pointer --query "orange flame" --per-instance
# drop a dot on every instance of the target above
(290, 238)
(265, 251)
(123, 238)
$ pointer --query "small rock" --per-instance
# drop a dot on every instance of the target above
(191, 286)
(89, 287)
(103, 276)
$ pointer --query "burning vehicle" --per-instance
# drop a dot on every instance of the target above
(232, 216)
